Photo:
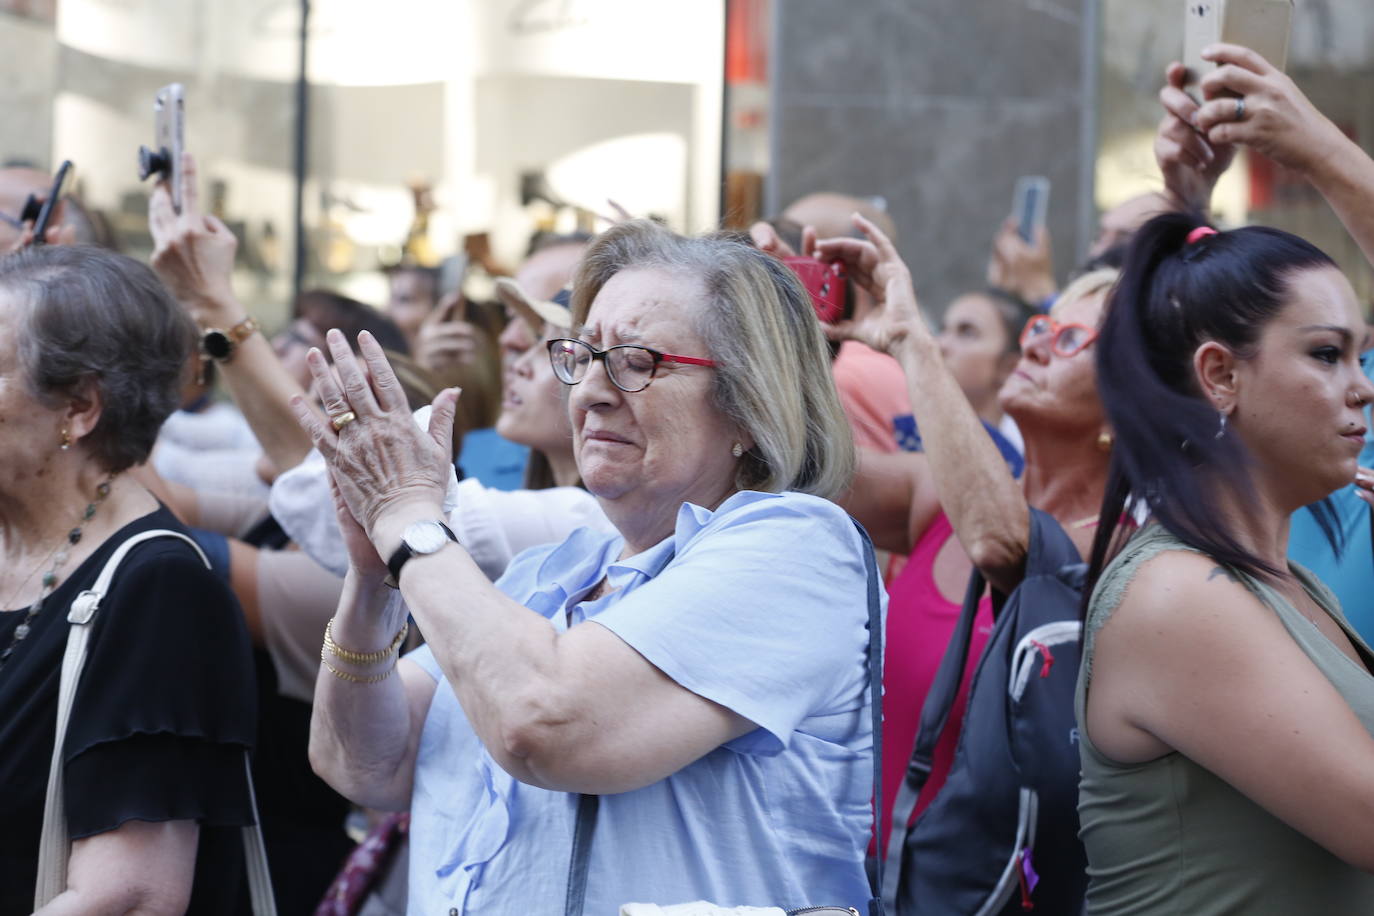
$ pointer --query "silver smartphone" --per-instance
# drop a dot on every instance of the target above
(169, 140)
(1030, 205)
(1262, 26)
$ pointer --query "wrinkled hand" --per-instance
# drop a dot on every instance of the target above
(443, 343)
(362, 555)
(381, 461)
(193, 253)
(1025, 271)
(1191, 165)
(1279, 120)
(876, 267)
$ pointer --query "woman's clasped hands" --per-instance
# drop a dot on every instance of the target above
(385, 470)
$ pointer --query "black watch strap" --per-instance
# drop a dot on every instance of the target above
(405, 552)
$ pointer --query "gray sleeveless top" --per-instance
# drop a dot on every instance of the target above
(1168, 836)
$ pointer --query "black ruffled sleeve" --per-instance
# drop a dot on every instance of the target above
(166, 705)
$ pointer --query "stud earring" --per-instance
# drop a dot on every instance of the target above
(66, 439)
(737, 450)
(1104, 442)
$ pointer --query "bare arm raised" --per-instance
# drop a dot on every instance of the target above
(984, 502)
(194, 254)
(1277, 121)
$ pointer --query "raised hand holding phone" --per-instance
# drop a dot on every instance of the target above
(1276, 119)
(193, 252)
(874, 264)
(164, 158)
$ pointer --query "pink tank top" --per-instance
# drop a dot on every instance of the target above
(919, 625)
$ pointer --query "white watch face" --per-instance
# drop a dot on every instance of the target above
(425, 537)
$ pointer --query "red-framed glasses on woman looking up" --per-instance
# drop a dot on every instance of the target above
(630, 368)
(1064, 339)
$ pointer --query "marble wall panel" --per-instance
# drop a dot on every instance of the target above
(938, 106)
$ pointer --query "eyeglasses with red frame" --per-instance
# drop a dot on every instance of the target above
(630, 368)
(1065, 339)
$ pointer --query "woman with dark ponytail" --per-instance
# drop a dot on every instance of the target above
(1225, 707)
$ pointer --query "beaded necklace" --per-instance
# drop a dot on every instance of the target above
(50, 577)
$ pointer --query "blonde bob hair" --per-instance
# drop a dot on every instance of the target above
(773, 363)
(1090, 284)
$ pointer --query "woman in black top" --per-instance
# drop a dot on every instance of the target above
(92, 355)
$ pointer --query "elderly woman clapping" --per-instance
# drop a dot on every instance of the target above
(718, 704)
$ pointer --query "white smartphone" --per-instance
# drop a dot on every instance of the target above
(1262, 26)
(1030, 205)
(169, 140)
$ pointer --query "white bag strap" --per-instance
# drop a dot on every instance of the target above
(54, 847)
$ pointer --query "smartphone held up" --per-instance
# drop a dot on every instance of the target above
(1260, 25)
(169, 140)
(1030, 206)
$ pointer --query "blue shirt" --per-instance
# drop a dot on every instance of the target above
(494, 460)
(1350, 574)
(759, 606)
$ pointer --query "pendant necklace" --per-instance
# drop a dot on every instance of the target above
(50, 577)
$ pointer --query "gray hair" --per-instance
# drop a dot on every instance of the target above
(773, 376)
(89, 317)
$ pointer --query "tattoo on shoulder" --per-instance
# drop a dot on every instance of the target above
(1222, 571)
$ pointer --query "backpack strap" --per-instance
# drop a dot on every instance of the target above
(875, 706)
(587, 805)
(54, 847)
(944, 689)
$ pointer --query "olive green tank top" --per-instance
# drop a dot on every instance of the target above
(1168, 836)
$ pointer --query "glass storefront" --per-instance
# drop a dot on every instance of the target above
(433, 131)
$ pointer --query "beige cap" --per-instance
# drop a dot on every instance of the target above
(536, 312)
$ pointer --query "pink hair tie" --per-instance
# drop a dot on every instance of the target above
(1200, 233)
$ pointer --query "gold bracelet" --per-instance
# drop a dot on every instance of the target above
(357, 678)
(362, 658)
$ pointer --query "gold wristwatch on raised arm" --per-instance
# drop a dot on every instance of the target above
(220, 345)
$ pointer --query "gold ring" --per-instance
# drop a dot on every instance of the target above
(342, 420)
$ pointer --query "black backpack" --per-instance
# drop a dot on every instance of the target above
(1001, 836)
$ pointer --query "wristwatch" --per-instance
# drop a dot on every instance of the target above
(220, 345)
(420, 538)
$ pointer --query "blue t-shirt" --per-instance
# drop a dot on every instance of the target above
(760, 606)
(1350, 574)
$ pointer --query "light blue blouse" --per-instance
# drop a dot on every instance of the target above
(759, 606)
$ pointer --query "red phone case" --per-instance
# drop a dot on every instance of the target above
(826, 284)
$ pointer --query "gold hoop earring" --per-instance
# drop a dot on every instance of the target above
(737, 450)
(1104, 442)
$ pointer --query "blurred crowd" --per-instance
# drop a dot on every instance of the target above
(703, 571)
